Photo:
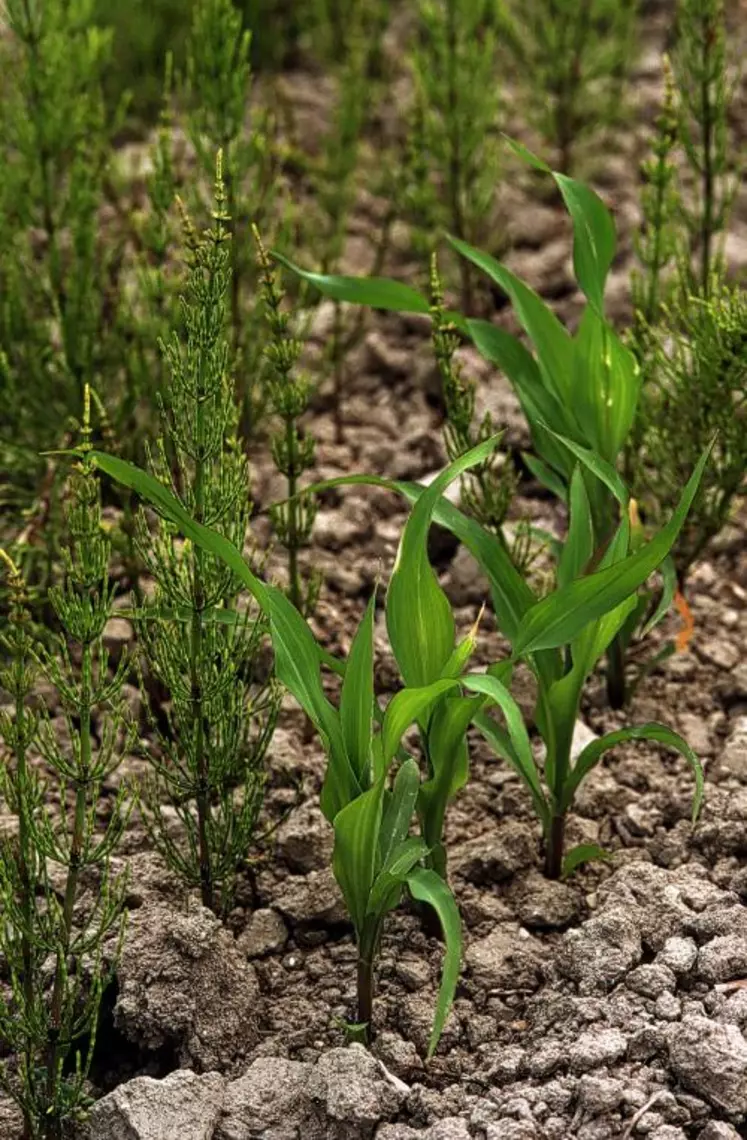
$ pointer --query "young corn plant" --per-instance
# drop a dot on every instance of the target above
(196, 640)
(579, 392)
(370, 808)
(54, 946)
(457, 90)
(573, 57)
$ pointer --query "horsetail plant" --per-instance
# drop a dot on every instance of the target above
(455, 62)
(52, 1022)
(292, 452)
(196, 641)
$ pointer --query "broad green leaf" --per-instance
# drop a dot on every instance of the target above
(357, 699)
(545, 475)
(522, 754)
(669, 577)
(594, 237)
(560, 617)
(399, 810)
(659, 733)
(408, 706)
(356, 849)
(387, 888)
(376, 292)
(539, 404)
(583, 853)
(428, 887)
(550, 339)
(449, 761)
(579, 545)
(604, 471)
(418, 613)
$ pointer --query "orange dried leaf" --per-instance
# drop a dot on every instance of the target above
(685, 635)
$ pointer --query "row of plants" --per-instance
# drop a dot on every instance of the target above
(224, 375)
(201, 641)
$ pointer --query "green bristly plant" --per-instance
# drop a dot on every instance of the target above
(705, 92)
(486, 491)
(572, 58)
(198, 643)
(56, 279)
(222, 114)
(455, 66)
(292, 451)
(697, 389)
(689, 331)
(579, 392)
(335, 180)
(50, 1020)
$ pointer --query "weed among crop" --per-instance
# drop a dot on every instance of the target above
(196, 641)
(50, 1018)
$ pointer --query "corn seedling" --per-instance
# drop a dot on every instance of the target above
(219, 723)
(573, 57)
(579, 393)
(375, 858)
(458, 99)
(51, 1021)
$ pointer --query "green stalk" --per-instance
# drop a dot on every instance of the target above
(708, 173)
(292, 542)
(198, 604)
(555, 843)
(455, 153)
(53, 1127)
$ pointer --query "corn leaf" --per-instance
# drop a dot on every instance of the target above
(582, 853)
(406, 707)
(551, 340)
(356, 848)
(399, 809)
(418, 613)
(594, 237)
(604, 471)
(560, 617)
(428, 887)
(387, 888)
(659, 733)
(579, 544)
(357, 698)
(376, 292)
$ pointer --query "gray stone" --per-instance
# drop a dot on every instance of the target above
(504, 960)
(183, 981)
(667, 1132)
(718, 1130)
(304, 840)
(597, 1095)
(182, 1104)
(733, 759)
(312, 898)
(265, 933)
(668, 1007)
(710, 1058)
(355, 1095)
(678, 954)
(451, 1128)
(495, 856)
(595, 1048)
(269, 1101)
(603, 950)
(651, 979)
(542, 904)
(723, 959)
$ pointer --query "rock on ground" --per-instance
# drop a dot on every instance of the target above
(182, 1105)
(184, 981)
